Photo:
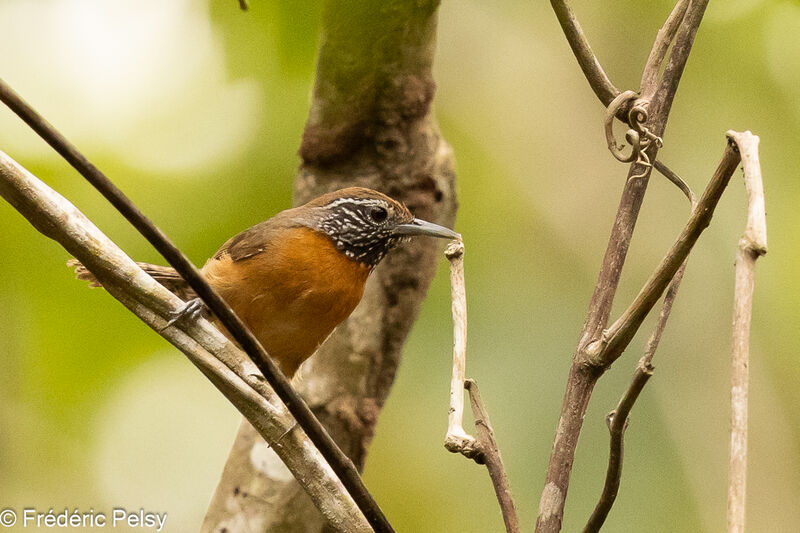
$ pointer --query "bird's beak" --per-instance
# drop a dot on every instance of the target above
(421, 227)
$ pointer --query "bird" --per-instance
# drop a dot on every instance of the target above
(296, 276)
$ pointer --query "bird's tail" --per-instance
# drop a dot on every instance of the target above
(166, 276)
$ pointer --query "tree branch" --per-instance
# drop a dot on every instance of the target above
(595, 75)
(664, 38)
(583, 373)
(678, 182)
(752, 245)
(490, 453)
(340, 463)
(219, 359)
(617, 422)
(457, 440)
(618, 419)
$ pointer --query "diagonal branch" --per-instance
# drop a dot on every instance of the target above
(678, 182)
(490, 452)
(371, 123)
(595, 75)
(617, 421)
(217, 357)
(617, 337)
(752, 245)
(341, 464)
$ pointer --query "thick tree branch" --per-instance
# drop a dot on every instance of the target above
(583, 374)
(219, 359)
(752, 245)
(370, 124)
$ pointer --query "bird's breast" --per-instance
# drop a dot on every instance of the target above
(293, 294)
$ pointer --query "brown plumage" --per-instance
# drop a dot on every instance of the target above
(293, 278)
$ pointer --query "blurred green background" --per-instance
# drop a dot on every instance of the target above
(196, 110)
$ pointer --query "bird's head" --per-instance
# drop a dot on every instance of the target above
(365, 224)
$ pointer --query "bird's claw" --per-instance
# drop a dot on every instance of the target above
(193, 309)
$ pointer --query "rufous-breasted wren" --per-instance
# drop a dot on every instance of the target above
(294, 277)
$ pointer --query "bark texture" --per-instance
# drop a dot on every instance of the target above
(370, 125)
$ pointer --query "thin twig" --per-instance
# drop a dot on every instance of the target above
(663, 40)
(340, 463)
(617, 337)
(618, 419)
(597, 77)
(216, 356)
(484, 448)
(752, 245)
(243, 5)
(492, 458)
(457, 440)
(678, 181)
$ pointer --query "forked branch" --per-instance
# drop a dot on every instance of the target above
(618, 419)
(664, 38)
(592, 357)
(617, 337)
(484, 448)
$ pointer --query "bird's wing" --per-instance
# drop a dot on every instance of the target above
(248, 243)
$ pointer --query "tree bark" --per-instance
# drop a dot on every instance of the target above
(371, 125)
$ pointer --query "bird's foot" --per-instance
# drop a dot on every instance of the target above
(193, 309)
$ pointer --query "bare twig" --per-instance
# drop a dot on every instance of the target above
(675, 179)
(492, 458)
(616, 338)
(597, 77)
(341, 464)
(457, 440)
(588, 361)
(663, 40)
(751, 245)
(217, 357)
(483, 449)
(618, 419)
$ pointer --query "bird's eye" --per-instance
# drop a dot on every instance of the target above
(378, 214)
